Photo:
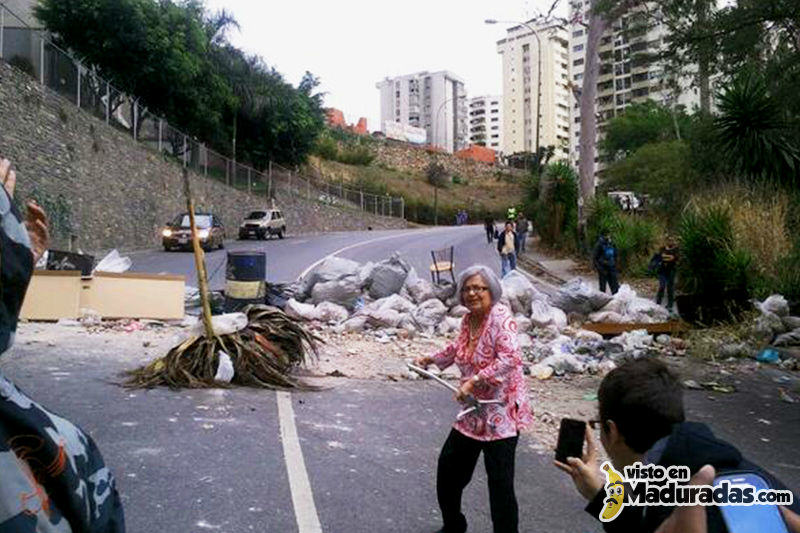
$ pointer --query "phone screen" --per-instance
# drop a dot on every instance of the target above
(570, 439)
(752, 518)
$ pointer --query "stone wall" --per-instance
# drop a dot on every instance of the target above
(103, 190)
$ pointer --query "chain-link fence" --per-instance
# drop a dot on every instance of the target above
(31, 51)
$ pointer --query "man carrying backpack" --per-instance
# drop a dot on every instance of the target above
(604, 259)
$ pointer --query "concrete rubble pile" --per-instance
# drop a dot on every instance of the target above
(389, 299)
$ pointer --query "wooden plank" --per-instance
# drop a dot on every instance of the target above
(612, 328)
(139, 276)
(51, 295)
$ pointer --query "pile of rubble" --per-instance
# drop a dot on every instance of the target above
(389, 299)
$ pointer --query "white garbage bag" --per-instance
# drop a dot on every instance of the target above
(113, 262)
(577, 296)
(222, 324)
(224, 368)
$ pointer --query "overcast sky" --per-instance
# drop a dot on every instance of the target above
(352, 44)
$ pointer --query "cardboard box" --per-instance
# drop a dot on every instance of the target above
(53, 294)
(133, 295)
(62, 294)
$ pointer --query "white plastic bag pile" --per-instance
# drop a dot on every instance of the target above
(626, 307)
(776, 323)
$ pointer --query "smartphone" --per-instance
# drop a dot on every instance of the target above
(570, 439)
(751, 518)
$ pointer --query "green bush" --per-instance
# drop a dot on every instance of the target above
(356, 155)
(327, 148)
(636, 237)
(712, 264)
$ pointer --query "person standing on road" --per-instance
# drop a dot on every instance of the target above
(522, 231)
(487, 354)
(488, 225)
(667, 266)
(507, 244)
(52, 476)
(604, 259)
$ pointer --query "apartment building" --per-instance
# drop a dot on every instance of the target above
(433, 101)
(628, 72)
(521, 86)
(486, 121)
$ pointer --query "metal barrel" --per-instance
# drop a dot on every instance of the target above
(245, 279)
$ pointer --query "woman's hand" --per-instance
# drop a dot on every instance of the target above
(423, 361)
(465, 390)
(35, 218)
(36, 224)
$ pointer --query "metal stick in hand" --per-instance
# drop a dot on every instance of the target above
(473, 403)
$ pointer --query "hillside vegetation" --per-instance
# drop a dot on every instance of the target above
(385, 167)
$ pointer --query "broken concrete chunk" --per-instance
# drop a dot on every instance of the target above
(299, 310)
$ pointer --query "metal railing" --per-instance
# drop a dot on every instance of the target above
(30, 50)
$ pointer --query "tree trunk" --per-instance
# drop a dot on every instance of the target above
(435, 205)
(588, 135)
(703, 67)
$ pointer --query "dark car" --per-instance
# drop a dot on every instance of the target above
(178, 234)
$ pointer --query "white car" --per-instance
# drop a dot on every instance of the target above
(261, 223)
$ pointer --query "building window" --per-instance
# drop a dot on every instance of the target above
(577, 62)
(577, 48)
(577, 33)
(578, 76)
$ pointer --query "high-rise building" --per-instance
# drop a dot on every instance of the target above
(486, 121)
(522, 87)
(629, 72)
(434, 101)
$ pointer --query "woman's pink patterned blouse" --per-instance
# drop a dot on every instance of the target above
(497, 362)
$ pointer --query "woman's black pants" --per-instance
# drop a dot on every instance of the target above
(457, 462)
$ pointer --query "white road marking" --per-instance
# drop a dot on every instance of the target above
(356, 245)
(305, 511)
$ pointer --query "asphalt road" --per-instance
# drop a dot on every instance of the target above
(288, 258)
(200, 460)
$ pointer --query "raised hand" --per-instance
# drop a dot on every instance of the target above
(585, 472)
(35, 217)
(36, 224)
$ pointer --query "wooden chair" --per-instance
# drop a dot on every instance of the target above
(442, 262)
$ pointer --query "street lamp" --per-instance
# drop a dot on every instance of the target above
(538, 74)
(436, 121)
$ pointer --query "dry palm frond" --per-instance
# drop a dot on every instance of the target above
(263, 354)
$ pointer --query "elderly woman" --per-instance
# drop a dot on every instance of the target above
(487, 355)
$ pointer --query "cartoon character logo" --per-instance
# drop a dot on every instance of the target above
(615, 491)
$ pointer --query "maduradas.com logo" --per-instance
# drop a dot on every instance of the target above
(651, 485)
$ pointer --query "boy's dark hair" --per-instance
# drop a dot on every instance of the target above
(644, 398)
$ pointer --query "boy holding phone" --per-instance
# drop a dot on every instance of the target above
(642, 420)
